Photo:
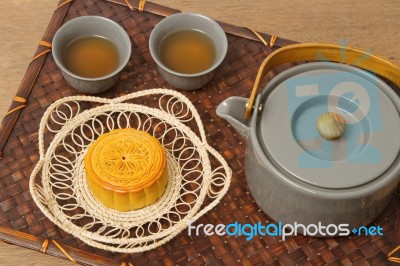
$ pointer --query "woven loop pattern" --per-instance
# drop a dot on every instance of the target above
(140, 7)
(198, 175)
(63, 4)
(265, 42)
(391, 255)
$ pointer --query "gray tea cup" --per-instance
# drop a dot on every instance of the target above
(91, 26)
(188, 21)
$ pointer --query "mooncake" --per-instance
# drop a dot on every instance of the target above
(126, 169)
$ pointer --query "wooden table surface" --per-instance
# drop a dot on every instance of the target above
(372, 25)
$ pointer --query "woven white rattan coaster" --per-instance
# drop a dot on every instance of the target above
(198, 175)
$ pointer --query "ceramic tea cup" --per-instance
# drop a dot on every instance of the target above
(88, 26)
(182, 22)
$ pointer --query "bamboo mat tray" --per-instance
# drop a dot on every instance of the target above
(23, 224)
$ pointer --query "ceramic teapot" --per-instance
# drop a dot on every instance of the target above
(294, 173)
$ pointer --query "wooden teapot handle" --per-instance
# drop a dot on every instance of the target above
(309, 51)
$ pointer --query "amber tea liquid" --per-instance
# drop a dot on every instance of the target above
(91, 57)
(187, 51)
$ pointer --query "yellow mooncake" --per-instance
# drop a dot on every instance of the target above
(126, 169)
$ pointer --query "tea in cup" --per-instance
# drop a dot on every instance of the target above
(187, 48)
(91, 51)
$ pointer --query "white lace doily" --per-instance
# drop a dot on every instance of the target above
(198, 175)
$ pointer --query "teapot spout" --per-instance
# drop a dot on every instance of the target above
(232, 110)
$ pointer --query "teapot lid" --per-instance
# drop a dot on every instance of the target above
(286, 124)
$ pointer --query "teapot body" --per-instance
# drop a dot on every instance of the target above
(293, 202)
(341, 191)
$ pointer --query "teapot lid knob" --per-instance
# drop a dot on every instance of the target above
(331, 125)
